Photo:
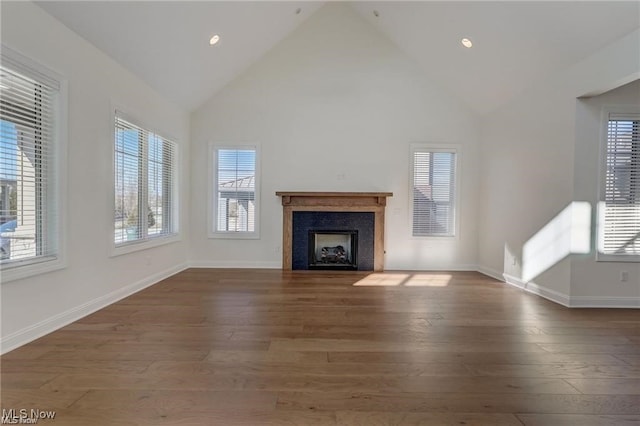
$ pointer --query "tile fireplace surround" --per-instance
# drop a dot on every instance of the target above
(373, 202)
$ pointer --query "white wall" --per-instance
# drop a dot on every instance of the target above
(335, 97)
(36, 305)
(528, 156)
(593, 281)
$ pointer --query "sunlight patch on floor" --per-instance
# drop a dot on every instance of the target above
(428, 280)
(406, 280)
(382, 280)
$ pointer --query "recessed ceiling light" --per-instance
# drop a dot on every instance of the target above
(215, 39)
(466, 43)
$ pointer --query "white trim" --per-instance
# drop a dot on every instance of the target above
(31, 68)
(18, 271)
(492, 273)
(605, 114)
(605, 302)
(120, 110)
(212, 192)
(539, 290)
(149, 242)
(239, 264)
(32, 332)
(514, 281)
(622, 258)
(437, 147)
(38, 71)
(133, 246)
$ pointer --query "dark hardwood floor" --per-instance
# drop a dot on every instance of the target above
(254, 347)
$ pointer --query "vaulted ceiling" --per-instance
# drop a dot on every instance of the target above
(515, 42)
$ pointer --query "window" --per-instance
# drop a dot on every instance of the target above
(31, 147)
(144, 184)
(619, 221)
(235, 197)
(433, 184)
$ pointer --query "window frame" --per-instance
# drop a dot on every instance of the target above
(149, 241)
(437, 147)
(212, 213)
(57, 184)
(607, 111)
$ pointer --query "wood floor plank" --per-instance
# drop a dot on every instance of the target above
(26, 380)
(577, 420)
(380, 418)
(133, 354)
(278, 366)
(30, 351)
(614, 386)
(230, 356)
(40, 366)
(460, 403)
(39, 398)
(533, 322)
(561, 371)
(345, 345)
(568, 348)
(129, 400)
(410, 384)
(272, 347)
(474, 358)
(592, 331)
(631, 359)
(158, 407)
(436, 334)
(143, 381)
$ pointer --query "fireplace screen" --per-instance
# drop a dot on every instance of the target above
(333, 250)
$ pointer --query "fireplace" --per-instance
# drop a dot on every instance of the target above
(333, 250)
(333, 211)
(343, 234)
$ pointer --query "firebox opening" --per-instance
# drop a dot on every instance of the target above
(337, 250)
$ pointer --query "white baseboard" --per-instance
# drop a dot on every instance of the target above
(242, 264)
(514, 281)
(28, 334)
(573, 301)
(492, 273)
(605, 302)
(533, 288)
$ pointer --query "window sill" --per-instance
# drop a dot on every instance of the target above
(234, 235)
(135, 246)
(25, 270)
(441, 238)
(622, 258)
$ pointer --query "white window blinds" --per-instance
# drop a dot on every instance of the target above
(235, 197)
(620, 216)
(433, 192)
(28, 200)
(144, 182)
